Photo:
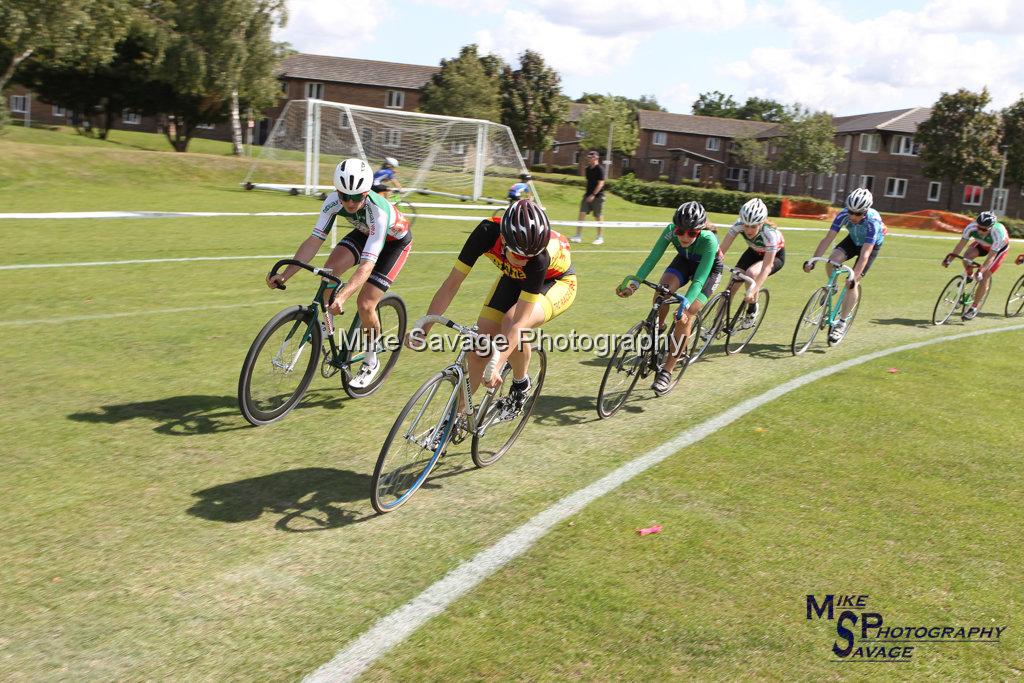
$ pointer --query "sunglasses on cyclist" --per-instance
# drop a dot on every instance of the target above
(352, 197)
(857, 213)
(688, 232)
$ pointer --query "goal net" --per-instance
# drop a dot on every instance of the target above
(468, 159)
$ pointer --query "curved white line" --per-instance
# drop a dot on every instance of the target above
(395, 627)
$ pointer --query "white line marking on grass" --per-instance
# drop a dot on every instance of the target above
(66, 215)
(129, 314)
(395, 627)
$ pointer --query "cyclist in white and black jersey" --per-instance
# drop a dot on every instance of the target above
(379, 242)
(991, 241)
(765, 254)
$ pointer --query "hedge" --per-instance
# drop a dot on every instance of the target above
(722, 201)
(1014, 226)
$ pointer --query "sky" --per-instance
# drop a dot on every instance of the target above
(839, 57)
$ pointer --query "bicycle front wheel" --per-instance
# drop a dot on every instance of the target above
(414, 444)
(392, 316)
(1015, 302)
(622, 372)
(948, 300)
(502, 423)
(279, 366)
(741, 330)
(810, 321)
(709, 325)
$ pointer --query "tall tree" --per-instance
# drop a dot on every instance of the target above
(715, 103)
(614, 113)
(1013, 138)
(960, 142)
(532, 104)
(807, 144)
(84, 31)
(648, 102)
(252, 81)
(749, 152)
(467, 85)
(758, 109)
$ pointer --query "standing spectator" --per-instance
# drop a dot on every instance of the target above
(593, 201)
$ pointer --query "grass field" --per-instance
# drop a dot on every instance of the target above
(152, 534)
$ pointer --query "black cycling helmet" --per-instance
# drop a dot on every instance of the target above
(690, 216)
(986, 219)
(525, 176)
(525, 228)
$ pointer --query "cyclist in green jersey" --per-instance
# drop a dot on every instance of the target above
(697, 262)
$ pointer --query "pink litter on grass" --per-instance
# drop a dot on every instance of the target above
(649, 530)
(894, 370)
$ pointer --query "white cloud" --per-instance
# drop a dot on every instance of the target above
(326, 27)
(678, 98)
(612, 18)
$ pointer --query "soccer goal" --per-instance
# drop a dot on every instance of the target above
(466, 159)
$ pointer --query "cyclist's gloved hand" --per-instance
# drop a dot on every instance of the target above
(1020, 260)
(949, 259)
(808, 266)
(683, 307)
(628, 286)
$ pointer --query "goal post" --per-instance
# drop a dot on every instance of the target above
(447, 156)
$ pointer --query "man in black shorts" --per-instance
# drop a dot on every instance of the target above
(593, 200)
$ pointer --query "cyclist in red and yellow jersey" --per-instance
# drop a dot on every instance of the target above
(537, 283)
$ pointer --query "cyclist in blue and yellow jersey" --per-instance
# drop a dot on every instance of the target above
(991, 241)
(384, 177)
(380, 241)
(520, 190)
(537, 283)
(765, 254)
(697, 261)
(864, 241)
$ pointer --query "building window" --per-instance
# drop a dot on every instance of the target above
(656, 162)
(847, 142)
(696, 171)
(342, 119)
(660, 138)
(459, 149)
(870, 142)
(792, 179)
(394, 99)
(205, 126)
(868, 182)
(59, 112)
(713, 144)
(904, 145)
(576, 157)
(732, 174)
(536, 156)
(842, 182)
(821, 180)
(284, 88)
(625, 163)
(131, 118)
(771, 177)
(934, 190)
(19, 104)
(366, 135)
(580, 133)
(392, 137)
(973, 194)
(314, 91)
(896, 187)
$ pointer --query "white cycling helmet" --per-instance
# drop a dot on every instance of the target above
(859, 201)
(353, 176)
(753, 212)
(391, 161)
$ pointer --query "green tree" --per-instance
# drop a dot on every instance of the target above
(532, 104)
(758, 109)
(807, 143)
(613, 112)
(1013, 138)
(749, 152)
(648, 102)
(715, 103)
(960, 141)
(465, 86)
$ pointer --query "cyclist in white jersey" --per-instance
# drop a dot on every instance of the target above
(379, 242)
(765, 254)
(992, 242)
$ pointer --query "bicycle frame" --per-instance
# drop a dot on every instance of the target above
(970, 268)
(652, 322)
(833, 288)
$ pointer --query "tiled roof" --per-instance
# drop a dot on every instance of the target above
(360, 71)
(865, 122)
(700, 125)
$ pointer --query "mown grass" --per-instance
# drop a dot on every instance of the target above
(150, 533)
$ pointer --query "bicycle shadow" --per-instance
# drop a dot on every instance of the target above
(904, 322)
(309, 499)
(195, 414)
(767, 350)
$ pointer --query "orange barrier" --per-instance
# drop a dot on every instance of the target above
(791, 208)
(929, 219)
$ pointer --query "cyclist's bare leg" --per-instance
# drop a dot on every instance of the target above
(672, 282)
(982, 289)
(681, 335)
(369, 296)
(753, 272)
(851, 296)
(340, 259)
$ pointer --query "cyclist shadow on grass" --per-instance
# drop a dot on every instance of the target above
(196, 413)
(904, 322)
(576, 410)
(766, 351)
(308, 499)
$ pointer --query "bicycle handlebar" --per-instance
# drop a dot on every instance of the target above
(325, 273)
(492, 362)
(969, 261)
(739, 274)
(664, 291)
(840, 266)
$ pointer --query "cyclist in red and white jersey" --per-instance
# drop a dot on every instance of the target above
(380, 241)
(992, 242)
(765, 254)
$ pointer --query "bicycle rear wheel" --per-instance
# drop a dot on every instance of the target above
(709, 327)
(414, 444)
(392, 315)
(736, 339)
(279, 366)
(501, 423)
(810, 321)
(622, 372)
(948, 300)
(1015, 301)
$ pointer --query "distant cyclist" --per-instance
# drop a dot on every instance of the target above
(537, 283)
(379, 242)
(521, 190)
(384, 178)
(991, 241)
(765, 254)
(864, 241)
(697, 261)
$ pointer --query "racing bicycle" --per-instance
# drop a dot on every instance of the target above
(959, 294)
(736, 330)
(824, 308)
